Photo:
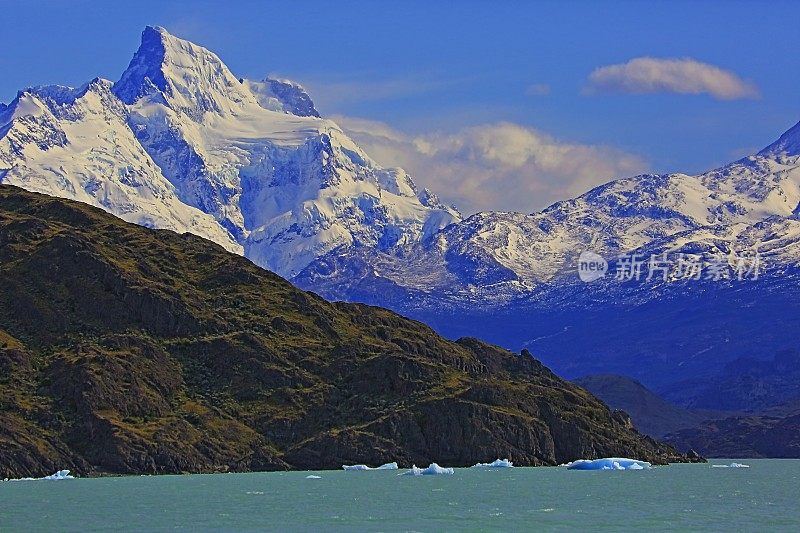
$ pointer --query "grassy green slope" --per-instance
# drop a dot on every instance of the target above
(130, 350)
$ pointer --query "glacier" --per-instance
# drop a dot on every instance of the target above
(387, 466)
(610, 463)
(432, 470)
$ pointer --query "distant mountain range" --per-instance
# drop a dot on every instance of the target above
(131, 351)
(179, 142)
(772, 432)
(650, 414)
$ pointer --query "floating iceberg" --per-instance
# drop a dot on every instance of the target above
(313, 477)
(611, 463)
(387, 466)
(732, 465)
(497, 463)
(61, 474)
(432, 470)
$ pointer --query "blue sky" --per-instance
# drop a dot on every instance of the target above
(443, 81)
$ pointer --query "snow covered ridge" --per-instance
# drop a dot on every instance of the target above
(76, 143)
(750, 205)
(181, 143)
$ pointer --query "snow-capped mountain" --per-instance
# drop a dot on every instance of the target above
(180, 143)
(747, 206)
(76, 143)
(512, 279)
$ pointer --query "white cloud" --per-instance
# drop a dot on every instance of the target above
(678, 75)
(498, 166)
(538, 89)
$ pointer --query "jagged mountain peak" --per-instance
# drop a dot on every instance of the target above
(193, 80)
(27, 126)
(189, 77)
(144, 73)
(179, 135)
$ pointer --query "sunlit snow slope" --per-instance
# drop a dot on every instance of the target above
(180, 143)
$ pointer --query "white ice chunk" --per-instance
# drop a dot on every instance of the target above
(610, 463)
(61, 474)
(387, 466)
(732, 465)
(313, 477)
(432, 470)
(497, 463)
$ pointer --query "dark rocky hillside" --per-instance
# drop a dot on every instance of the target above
(774, 432)
(650, 414)
(128, 350)
(755, 436)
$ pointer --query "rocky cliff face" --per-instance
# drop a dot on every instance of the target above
(129, 350)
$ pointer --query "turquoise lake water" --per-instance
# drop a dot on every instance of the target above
(677, 497)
